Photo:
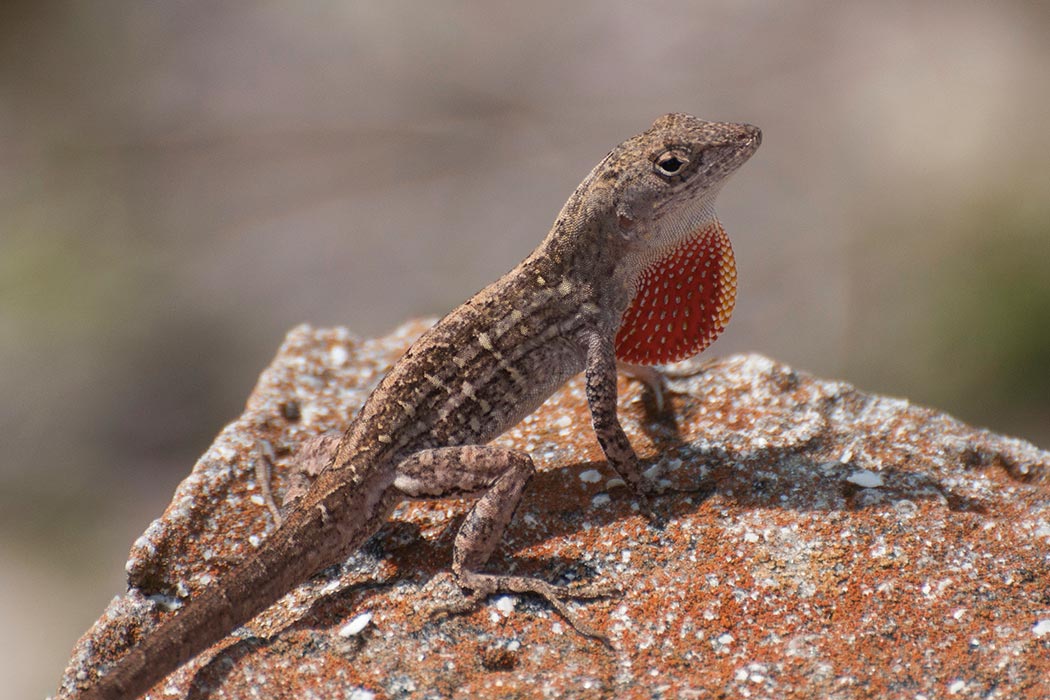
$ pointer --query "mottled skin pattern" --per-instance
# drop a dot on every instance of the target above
(476, 373)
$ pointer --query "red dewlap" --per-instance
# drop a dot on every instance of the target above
(684, 300)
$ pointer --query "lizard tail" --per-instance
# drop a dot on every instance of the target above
(279, 565)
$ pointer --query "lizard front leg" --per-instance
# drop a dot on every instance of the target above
(500, 475)
(601, 396)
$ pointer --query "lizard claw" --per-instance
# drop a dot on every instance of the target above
(465, 604)
(692, 488)
(484, 585)
(651, 489)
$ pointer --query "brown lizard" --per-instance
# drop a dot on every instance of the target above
(635, 268)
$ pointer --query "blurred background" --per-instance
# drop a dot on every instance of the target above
(181, 183)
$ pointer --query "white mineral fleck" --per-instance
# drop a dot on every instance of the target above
(865, 478)
(356, 625)
(338, 356)
(505, 604)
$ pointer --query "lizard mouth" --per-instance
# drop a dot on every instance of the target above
(683, 300)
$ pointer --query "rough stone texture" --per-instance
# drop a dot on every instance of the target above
(846, 545)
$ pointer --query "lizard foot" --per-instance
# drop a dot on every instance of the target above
(661, 489)
(652, 378)
(651, 489)
(484, 585)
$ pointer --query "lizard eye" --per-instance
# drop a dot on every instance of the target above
(670, 163)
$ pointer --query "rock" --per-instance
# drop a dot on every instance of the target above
(844, 545)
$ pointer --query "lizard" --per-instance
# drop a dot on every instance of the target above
(636, 268)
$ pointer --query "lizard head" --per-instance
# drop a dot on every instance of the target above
(677, 264)
(663, 181)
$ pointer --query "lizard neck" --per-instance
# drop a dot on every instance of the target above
(664, 290)
(586, 251)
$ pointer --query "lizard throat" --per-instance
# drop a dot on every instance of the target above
(683, 301)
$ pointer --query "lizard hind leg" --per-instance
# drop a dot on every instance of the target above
(500, 476)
